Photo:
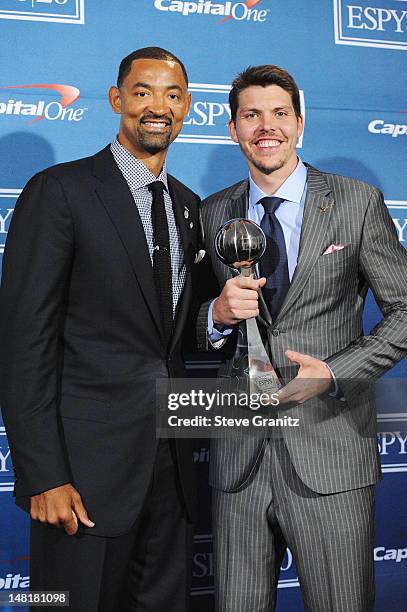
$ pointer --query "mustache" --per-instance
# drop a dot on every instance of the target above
(152, 116)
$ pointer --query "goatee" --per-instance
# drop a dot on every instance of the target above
(155, 143)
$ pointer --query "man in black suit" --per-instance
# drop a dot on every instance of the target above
(90, 319)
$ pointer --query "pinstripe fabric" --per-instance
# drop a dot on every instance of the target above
(324, 503)
(335, 447)
(330, 537)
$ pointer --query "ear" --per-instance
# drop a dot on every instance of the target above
(300, 125)
(115, 100)
(232, 130)
(188, 104)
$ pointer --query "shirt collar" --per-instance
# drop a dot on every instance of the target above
(291, 190)
(134, 171)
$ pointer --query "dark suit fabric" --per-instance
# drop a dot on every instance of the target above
(334, 450)
(81, 342)
(143, 569)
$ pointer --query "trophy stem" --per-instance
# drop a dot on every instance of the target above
(263, 377)
(240, 244)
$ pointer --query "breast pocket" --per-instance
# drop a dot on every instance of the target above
(337, 256)
(338, 261)
(336, 273)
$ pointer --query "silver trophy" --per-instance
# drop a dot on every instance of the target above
(239, 244)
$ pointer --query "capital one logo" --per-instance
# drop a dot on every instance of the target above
(228, 11)
(6, 469)
(201, 455)
(371, 23)
(207, 122)
(381, 553)
(385, 128)
(59, 11)
(14, 581)
(59, 109)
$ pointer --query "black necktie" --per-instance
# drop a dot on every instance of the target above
(162, 259)
(273, 264)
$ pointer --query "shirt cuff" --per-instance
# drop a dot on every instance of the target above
(336, 392)
(216, 334)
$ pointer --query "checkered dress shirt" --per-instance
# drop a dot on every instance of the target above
(138, 177)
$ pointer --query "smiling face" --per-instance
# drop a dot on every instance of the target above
(267, 130)
(153, 101)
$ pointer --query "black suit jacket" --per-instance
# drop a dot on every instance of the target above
(81, 340)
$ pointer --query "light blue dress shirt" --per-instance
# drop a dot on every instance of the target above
(289, 213)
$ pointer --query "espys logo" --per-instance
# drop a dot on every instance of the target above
(6, 469)
(207, 122)
(42, 109)
(371, 23)
(398, 211)
(203, 570)
(59, 11)
(8, 199)
(392, 436)
(237, 11)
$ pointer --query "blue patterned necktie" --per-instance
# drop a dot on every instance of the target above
(274, 264)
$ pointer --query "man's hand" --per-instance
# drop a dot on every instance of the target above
(61, 507)
(313, 378)
(238, 301)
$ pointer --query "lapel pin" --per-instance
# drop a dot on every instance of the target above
(186, 212)
(200, 255)
(191, 225)
(326, 207)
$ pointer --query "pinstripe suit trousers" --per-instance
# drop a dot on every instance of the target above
(330, 536)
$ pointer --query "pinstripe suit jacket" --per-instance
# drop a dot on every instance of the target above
(335, 447)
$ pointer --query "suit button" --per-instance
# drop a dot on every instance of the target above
(275, 332)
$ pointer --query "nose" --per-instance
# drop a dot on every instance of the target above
(158, 104)
(267, 122)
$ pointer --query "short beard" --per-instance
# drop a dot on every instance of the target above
(260, 167)
(151, 145)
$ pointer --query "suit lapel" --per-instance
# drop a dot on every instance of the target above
(236, 207)
(232, 206)
(317, 212)
(118, 201)
(186, 217)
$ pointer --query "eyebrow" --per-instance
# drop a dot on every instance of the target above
(148, 86)
(257, 110)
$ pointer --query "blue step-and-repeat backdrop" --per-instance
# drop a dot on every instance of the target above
(58, 59)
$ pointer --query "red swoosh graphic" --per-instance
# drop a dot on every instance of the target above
(68, 93)
(248, 3)
(14, 560)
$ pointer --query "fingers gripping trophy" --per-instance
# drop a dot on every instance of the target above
(240, 244)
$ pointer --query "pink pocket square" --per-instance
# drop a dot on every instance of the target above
(332, 248)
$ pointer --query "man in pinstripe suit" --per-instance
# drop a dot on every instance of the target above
(310, 488)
